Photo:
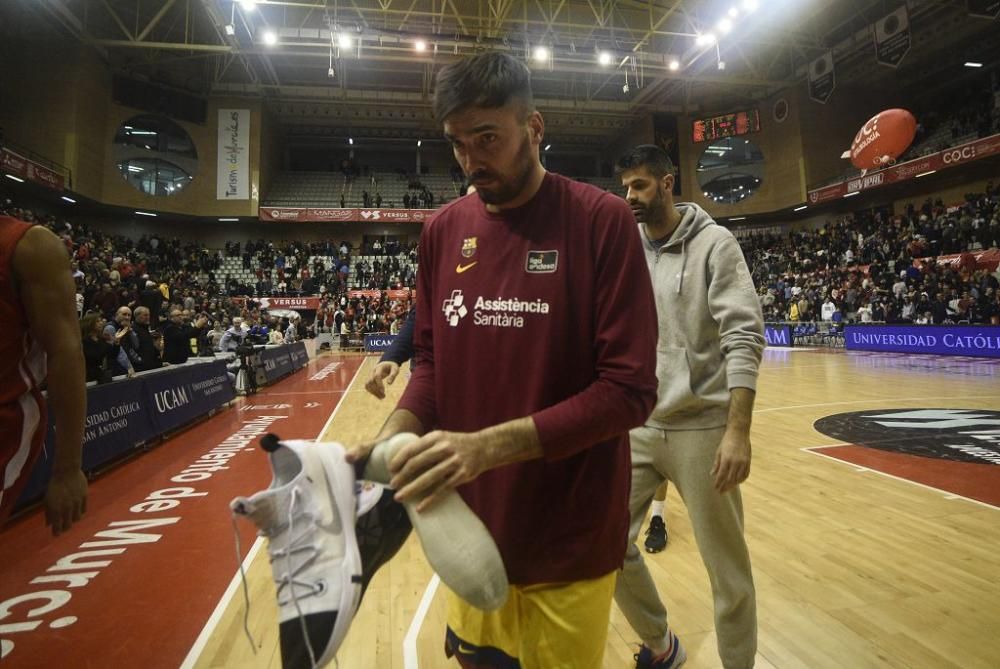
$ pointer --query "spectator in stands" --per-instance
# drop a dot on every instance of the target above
(215, 335)
(150, 341)
(177, 336)
(99, 353)
(233, 337)
(106, 300)
(128, 359)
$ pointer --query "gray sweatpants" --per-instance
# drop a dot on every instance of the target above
(686, 458)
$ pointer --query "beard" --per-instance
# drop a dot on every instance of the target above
(655, 212)
(502, 187)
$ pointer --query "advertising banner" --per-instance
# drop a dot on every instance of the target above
(778, 335)
(332, 215)
(964, 153)
(378, 342)
(233, 171)
(966, 340)
(19, 166)
(177, 397)
(892, 37)
(280, 361)
(822, 78)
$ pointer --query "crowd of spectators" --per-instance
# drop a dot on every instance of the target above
(152, 302)
(875, 267)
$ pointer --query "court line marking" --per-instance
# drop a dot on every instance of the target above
(410, 640)
(213, 621)
(944, 493)
(871, 400)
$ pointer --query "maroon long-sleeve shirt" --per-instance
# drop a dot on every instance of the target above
(544, 311)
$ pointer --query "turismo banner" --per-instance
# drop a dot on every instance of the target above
(966, 340)
(233, 172)
(964, 153)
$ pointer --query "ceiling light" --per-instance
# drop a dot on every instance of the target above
(229, 220)
(420, 46)
(724, 26)
(270, 38)
(801, 208)
(722, 64)
(69, 199)
(734, 12)
(14, 178)
(350, 140)
(857, 192)
(973, 63)
(419, 142)
(344, 41)
(674, 65)
(604, 58)
(541, 54)
(750, 5)
(705, 39)
(248, 5)
(924, 174)
(230, 29)
(145, 213)
(548, 146)
(738, 218)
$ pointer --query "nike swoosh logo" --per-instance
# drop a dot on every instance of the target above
(462, 648)
(461, 268)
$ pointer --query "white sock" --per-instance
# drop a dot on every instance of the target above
(658, 507)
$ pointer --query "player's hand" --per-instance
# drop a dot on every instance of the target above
(434, 465)
(383, 371)
(65, 500)
(732, 461)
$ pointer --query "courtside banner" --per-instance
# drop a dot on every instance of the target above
(117, 420)
(280, 361)
(778, 335)
(186, 392)
(378, 342)
(969, 340)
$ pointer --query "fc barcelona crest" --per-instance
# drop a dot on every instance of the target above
(468, 247)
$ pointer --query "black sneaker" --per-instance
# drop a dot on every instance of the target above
(656, 535)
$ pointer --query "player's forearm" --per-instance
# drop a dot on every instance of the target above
(401, 420)
(514, 441)
(68, 402)
(740, 409)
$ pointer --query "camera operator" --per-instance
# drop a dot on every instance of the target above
(233, 337)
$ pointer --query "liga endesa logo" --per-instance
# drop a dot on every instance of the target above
(960, 435)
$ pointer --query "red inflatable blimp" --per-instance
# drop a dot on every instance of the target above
(883, 139)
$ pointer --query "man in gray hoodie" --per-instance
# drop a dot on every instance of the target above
(711, 338)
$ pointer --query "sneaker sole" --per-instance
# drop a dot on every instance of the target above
(340, 481)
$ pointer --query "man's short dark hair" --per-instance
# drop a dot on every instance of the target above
(489, 81)
(650, 156)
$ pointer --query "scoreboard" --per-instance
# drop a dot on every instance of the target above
(726, 125)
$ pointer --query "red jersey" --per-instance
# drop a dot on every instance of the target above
(544, 311)
(22, 370)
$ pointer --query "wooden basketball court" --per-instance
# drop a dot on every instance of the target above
(854, 567)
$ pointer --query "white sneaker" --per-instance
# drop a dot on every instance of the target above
(308, 516)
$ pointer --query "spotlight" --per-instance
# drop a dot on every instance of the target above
(420, 46)
(722, 64)
(344, 41)
(350, 140)
(419, 142)
(674, 65)
(625, 89)
(705, 39)
(604, 58)
(330, 73)
(270, 38)
(541, 54)
(248, 5)
(230, 29)
(724, 26)
(750, 5)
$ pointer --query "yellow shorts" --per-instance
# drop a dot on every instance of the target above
(545, 626)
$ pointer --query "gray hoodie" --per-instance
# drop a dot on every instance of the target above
(711, 328)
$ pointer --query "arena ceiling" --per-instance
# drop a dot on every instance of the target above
(607, 61)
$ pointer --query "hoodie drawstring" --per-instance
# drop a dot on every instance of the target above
(680, 280)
